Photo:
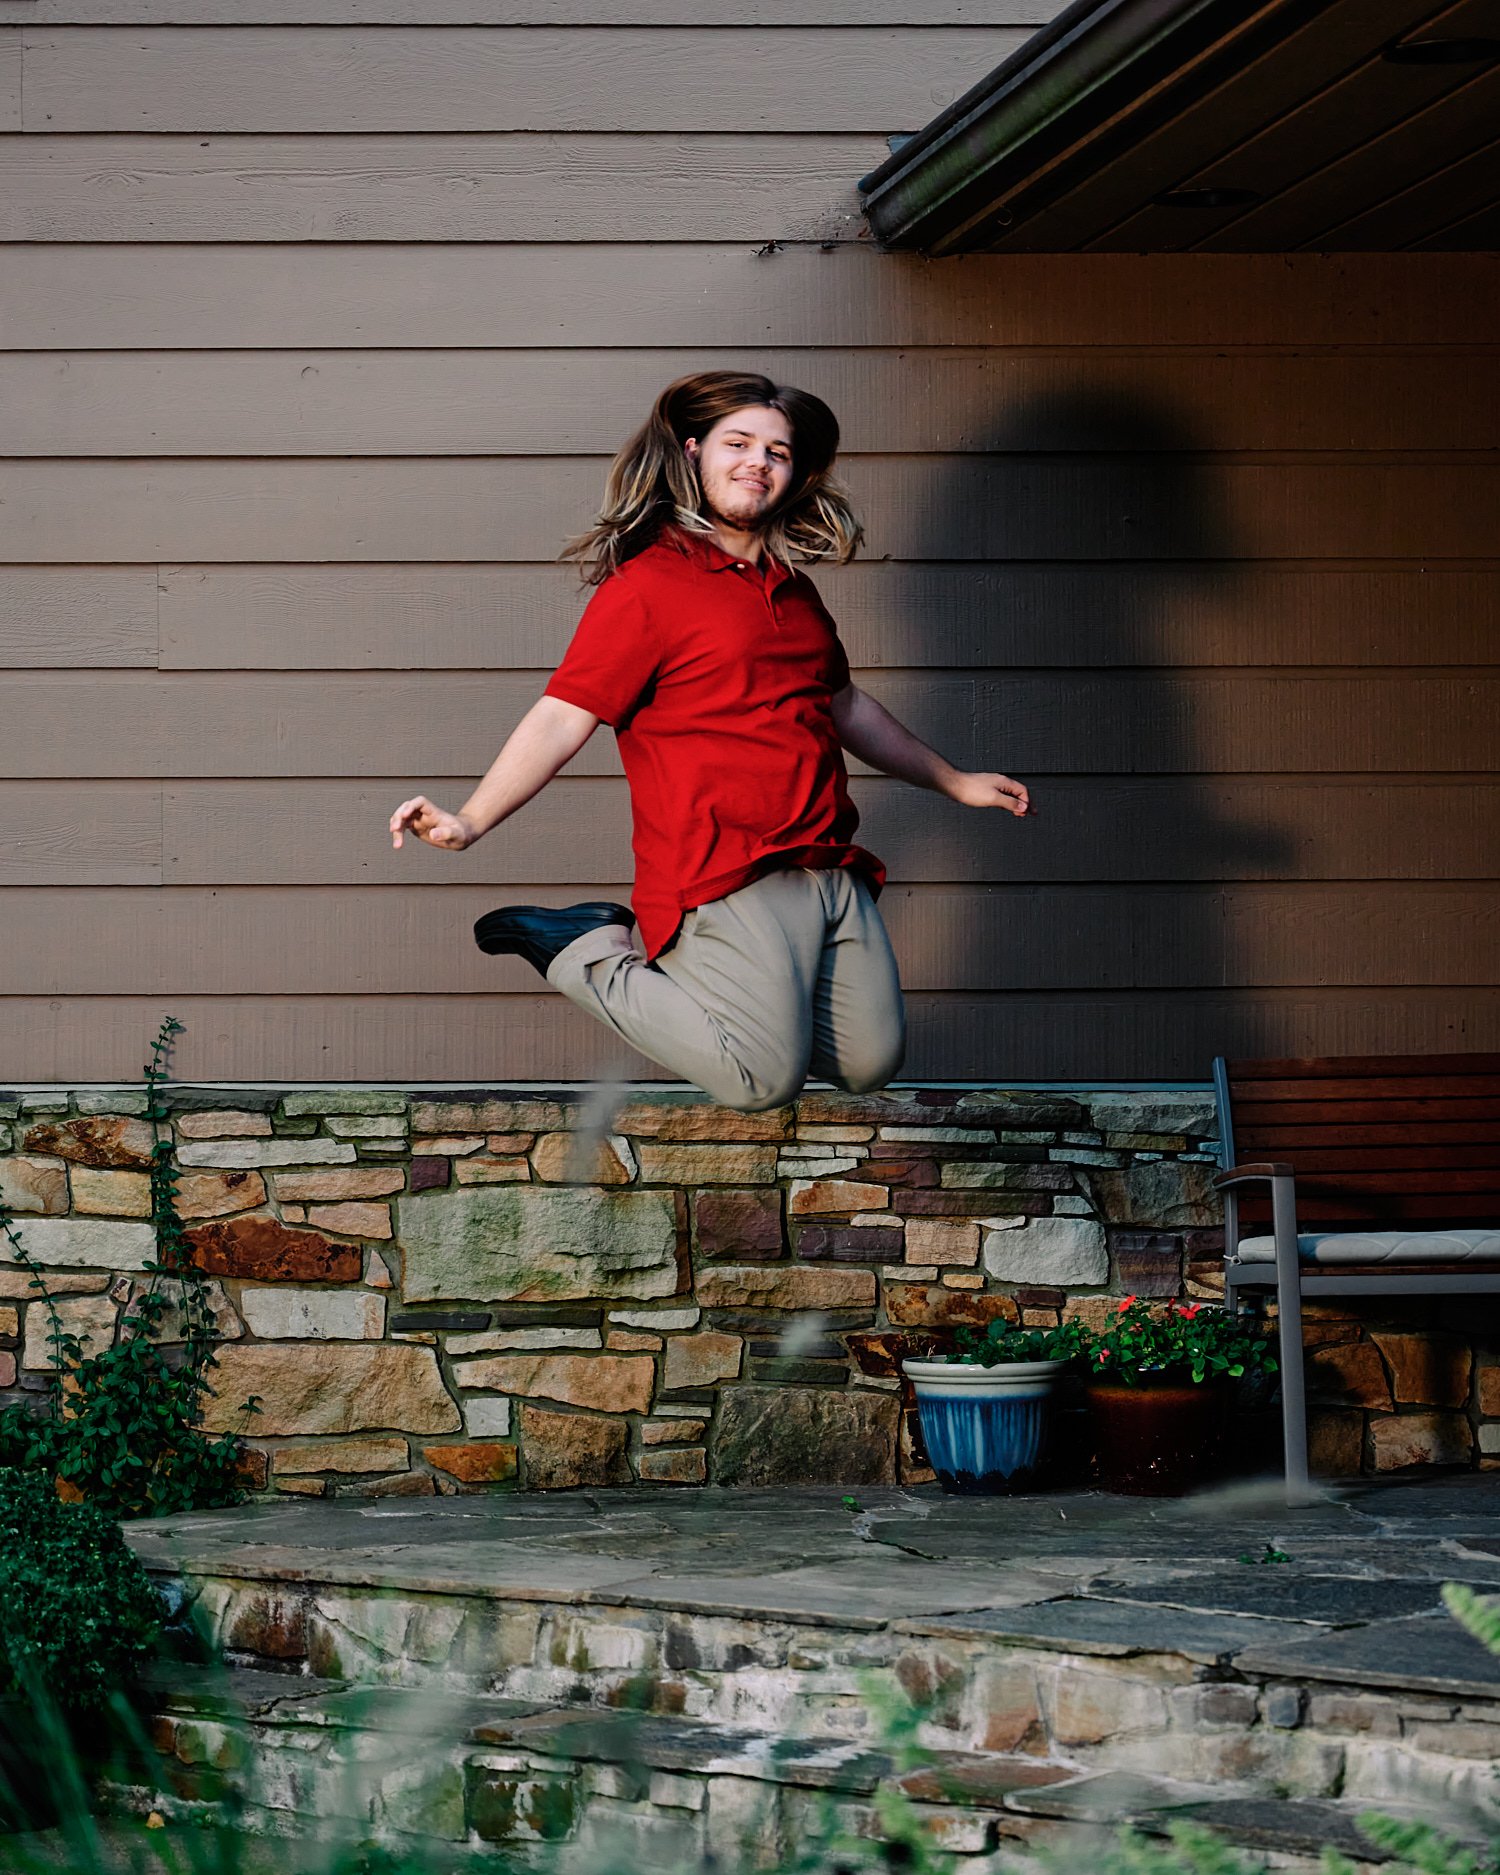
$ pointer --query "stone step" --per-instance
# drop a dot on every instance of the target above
(475, 1770)
(469, 1772)
(1404, 1702)
(1231, 1644)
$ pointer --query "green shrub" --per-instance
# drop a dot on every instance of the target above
(127, 1441)
(123, 1424)
(1183, 1341)
(24, 1436)
(1000, 1343)
(80, 1611)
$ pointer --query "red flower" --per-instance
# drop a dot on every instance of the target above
(1103, 1356)
(1187, 1314)
(1129, 1302)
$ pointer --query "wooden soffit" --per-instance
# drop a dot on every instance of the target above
(1175, 125)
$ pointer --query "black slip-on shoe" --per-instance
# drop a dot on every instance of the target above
(538, 933)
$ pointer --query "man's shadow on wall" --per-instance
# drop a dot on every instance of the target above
(1104, 518)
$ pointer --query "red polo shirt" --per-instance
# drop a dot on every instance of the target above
(718, 681)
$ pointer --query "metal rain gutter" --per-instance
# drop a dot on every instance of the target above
(1054, 92)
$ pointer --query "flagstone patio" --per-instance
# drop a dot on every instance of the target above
(698, 1670)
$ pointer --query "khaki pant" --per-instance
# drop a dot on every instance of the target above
(792, 975)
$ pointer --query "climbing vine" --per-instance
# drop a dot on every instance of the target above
(121, 1427)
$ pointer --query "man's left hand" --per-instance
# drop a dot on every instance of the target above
(992, 791)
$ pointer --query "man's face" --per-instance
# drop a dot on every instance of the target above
(745, 465)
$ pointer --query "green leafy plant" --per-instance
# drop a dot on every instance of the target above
(1478, 1613)
(80, 1611)
(122, 1425)
(1000, 1343)
(1269, 1554)
(1184, 1341)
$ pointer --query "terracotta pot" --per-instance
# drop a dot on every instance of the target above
(987, 1430)
(1160, 1438)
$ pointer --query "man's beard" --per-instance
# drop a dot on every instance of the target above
(751, 523)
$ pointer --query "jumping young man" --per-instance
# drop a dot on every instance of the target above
(753, 955)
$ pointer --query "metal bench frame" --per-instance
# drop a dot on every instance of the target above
(1289, 1279)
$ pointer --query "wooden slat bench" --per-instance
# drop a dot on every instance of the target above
(1356, 1175)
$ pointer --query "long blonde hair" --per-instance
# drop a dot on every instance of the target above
(654, 484)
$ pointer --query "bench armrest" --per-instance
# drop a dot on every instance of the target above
(1246, 1174)
(1283, 1185)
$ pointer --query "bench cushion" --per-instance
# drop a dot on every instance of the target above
(1382, 1246)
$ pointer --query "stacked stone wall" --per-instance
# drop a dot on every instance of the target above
(438, 1292)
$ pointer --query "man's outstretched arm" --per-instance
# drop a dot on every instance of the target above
(869, 731)
(547, 737)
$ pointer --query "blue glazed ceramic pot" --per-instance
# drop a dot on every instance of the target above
(986, 1429)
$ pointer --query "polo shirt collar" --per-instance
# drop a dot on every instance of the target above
(713, 558)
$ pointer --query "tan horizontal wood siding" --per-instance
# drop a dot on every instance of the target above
(1116, 828)
(10, 81)
(523, 1037)
(319, 321)
(626, 77)
(467, 402)
(184, 723)
(1086, 506)
(287, 939)
(708, 291)
(914, 615)
(499, 186)
(408, 13)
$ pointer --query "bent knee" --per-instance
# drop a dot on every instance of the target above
(755, 1093)
(870, 1075)
(756, 1100)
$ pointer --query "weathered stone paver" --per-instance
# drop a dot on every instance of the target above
(1306, 1828)
(1117, 1549)
(1329, 1600)
(1107, 1797)
(1423, 1653)
(1115, 1630)
(857, 1592)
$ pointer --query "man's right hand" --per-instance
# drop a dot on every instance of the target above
(429, 823)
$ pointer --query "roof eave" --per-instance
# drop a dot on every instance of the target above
(1058, 91)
